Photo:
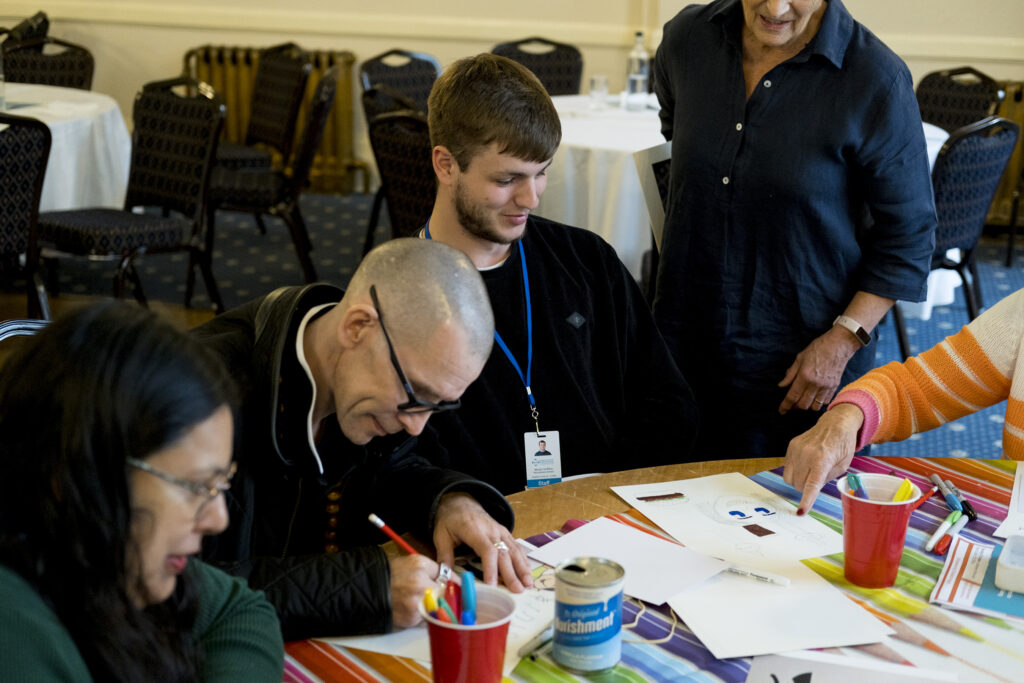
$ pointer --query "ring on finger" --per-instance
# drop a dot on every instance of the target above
(500, 545)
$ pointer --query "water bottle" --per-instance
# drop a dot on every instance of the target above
(637, 74)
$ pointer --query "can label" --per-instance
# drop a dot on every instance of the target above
(588, 618)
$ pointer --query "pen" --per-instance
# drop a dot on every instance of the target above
(430, 602)
(442, 606)
(951, 500)
(943, 528)
(379, 523)
(453, 596)
(904, 491)
(853, 481)
(946, 540)
(468, 598)
(758, 575)
(922, 499)
(967, 507)
(537, 641)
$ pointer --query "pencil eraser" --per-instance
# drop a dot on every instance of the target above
(1010, 565)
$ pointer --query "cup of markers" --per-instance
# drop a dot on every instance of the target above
(876, 511)
(468, 626)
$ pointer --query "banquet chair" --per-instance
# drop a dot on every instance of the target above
(173, 143)
(273, 192)
(558, 66)
(401, 147)
(379, 99)
(29, 28)
(954, 98)
(70, 66)
(964, 178)
(281, 76)
(24, 152)
(409, 73)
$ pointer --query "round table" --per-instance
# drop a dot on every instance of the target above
(91, 150)
(548, 507)
(593, 182)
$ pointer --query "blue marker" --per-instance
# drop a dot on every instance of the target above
(853, 481)
(951, 500)
(468, 599)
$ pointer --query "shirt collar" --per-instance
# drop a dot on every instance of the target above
(300, 354)
(830, 42)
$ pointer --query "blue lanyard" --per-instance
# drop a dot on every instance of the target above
(529, 334)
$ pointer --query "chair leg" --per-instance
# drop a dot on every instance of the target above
(970, 283)
(211, 284)
(127, 271)
(292, 217)
(190, 276)
(260, 224)
(901, 330)
(38, 303)
(371, 226)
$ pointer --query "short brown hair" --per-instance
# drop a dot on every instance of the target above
(488, 99)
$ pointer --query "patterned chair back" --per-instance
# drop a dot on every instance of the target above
(954, 98)
(381, 98)
(24, 151)
(319, 110)
(410, 73)
(30, 62)
(173, 144)
(277, 93)
(964, 178)
(559, 67)
(401, 146)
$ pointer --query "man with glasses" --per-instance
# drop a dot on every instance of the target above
(577, 360)
(330, 380)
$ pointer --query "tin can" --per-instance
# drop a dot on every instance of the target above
(588, 614)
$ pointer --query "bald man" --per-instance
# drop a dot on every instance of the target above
(334, 386)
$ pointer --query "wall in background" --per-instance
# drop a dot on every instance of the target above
(144, 40)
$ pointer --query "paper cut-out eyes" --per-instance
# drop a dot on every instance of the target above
(764, 512)
(738, 514)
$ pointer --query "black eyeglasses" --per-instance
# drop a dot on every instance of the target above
(413, 405)
(206, 490)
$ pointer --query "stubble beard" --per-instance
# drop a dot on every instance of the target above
(474, 219)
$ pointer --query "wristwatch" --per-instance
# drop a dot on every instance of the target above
(855, 327)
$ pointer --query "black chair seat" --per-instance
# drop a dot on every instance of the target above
(106, 231)
(233, 155)
(246, 188)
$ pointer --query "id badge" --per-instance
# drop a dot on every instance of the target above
(543, 459)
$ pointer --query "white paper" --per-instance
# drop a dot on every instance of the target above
(736, 616)
(656, 569)
(822, 666)
(1013, 525)
(732, 517)
(534, 611)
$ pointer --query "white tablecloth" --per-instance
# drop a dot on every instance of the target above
(593, 182)
(91, 148)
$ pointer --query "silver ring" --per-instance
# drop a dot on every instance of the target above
(500, 545)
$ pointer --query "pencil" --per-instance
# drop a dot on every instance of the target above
(379, 523)
(892, 600)
(903, 631)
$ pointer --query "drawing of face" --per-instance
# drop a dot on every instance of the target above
(742, 510)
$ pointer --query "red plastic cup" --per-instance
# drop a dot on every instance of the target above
(475, 653)
(874, 530)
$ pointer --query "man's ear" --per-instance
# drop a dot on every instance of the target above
(356, 323)
(444, 164)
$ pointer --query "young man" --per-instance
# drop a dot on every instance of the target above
(325, 376)
(577, 360)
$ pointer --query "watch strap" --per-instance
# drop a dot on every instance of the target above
(855, 328)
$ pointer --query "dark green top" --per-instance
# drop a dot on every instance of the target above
(236, 627)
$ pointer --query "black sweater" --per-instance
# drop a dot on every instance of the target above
(602, 375)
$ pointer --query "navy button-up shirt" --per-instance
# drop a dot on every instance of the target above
(784, 205)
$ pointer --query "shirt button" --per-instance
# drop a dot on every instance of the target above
(767, 84)
(739, 126)
(725, 180)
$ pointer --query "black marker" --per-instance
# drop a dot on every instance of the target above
(968, 509)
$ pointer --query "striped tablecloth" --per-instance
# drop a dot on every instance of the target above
(977, 648)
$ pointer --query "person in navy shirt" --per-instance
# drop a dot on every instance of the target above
(799, 208)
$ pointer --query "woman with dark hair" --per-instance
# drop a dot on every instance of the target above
(115, 448)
